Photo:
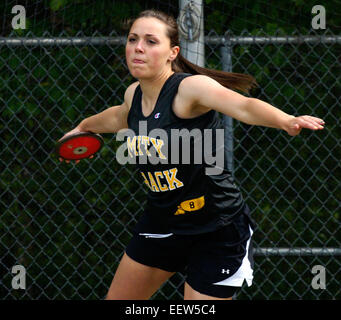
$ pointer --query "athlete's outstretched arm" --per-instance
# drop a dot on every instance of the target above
(206, 93)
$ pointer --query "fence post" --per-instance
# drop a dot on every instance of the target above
(191, 29)
(226, 59)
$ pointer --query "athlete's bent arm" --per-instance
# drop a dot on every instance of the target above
(206, 93)
(112, 119)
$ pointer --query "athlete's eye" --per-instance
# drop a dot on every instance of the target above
(151, 41)
(131, 39)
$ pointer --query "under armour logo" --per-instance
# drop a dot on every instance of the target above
(227, 271)
(157, 115)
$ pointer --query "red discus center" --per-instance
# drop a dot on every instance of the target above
(79, 148)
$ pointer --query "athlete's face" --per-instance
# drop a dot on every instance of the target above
(148, 50)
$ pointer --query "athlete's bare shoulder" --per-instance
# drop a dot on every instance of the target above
(129, 94)
(189, 86)
(186, 104)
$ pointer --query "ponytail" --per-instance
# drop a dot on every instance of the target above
(231, 80)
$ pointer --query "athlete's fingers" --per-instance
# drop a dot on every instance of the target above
(68, 161)
(316, 122)
(308, 123)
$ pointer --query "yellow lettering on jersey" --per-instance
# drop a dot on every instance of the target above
(157, 175)
(134, 146)
(157, 143)
(145, 142)
(153, 183)
(131, 145)
(157, 186)
(139, 145)
(146, 181)
(171, 180)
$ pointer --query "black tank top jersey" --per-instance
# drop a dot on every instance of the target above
(182, 198)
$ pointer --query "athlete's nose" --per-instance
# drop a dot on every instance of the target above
(139, 46)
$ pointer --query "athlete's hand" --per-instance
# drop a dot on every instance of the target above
(76, 161)
(73, 131)
(296, 124)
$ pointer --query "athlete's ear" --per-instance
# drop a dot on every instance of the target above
(175, 50)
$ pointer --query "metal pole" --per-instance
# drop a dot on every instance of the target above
(297, 252)
(216, 40)
(226, 57)
(61, 41)
(191, 29)
(103, 41)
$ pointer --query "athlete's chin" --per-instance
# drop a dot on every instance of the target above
(138, 73)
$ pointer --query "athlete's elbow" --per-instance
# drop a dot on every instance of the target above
(244, 111)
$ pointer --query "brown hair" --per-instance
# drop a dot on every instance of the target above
(231, 80)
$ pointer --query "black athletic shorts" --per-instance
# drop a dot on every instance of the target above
(215, 263)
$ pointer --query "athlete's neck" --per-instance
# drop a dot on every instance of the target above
(151, 88)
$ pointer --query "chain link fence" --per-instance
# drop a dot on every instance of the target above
(68, 224)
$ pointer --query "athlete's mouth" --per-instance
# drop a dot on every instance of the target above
(138, 61)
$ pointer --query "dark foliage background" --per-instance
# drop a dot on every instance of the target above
(68, 225)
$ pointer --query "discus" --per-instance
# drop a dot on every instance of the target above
(79, 146)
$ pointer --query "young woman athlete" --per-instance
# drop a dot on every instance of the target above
(193, 222)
